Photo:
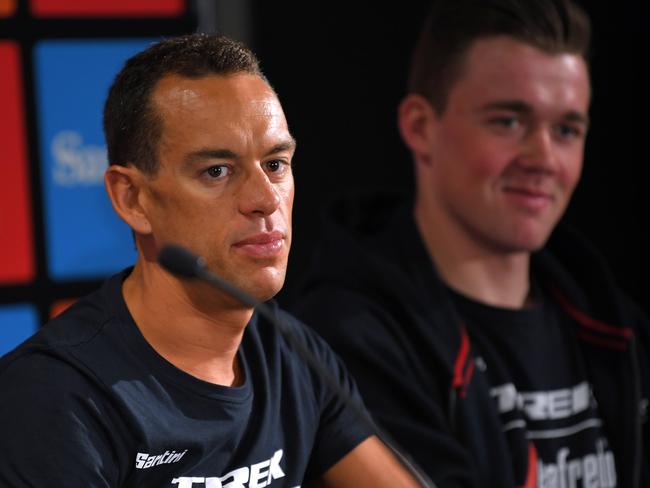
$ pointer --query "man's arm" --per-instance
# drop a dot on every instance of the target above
(370, 464)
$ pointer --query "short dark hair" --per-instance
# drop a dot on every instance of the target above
(554, 26)
(131, 125)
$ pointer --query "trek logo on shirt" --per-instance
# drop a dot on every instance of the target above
(257, 475)
(144, 460)
(541, 405)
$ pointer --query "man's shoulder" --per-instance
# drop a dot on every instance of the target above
(62, 349)
(577, 270)
(76, 325)
(401, 313)
(38, 374)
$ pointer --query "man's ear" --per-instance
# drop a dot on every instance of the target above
(124, 185)
(416, 118)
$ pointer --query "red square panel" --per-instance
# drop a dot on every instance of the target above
(107, 8)
(16, 256)
(7, 7)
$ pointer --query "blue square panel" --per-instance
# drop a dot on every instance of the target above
(17, 323)
(84, 237)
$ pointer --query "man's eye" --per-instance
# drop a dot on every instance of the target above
(507, 122)
(219, 171)
(275, 165)
(568, 131)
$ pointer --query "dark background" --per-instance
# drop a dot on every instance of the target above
(340, 68)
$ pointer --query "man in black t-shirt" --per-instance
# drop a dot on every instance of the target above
(496, 354)
(159, 381)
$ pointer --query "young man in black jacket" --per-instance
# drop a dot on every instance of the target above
(498, 354)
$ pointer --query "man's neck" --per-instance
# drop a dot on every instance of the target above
(495, 278)
(172, 315)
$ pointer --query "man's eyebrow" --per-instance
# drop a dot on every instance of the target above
(577, 117)
(511, 105)
(288, 145)
(203, 154)
(524, 108)
(200, 155)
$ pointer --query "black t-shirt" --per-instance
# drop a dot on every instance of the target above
(541, 391)
(87, 402)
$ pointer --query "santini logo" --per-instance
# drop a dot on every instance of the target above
(76, 163)
(144, 460)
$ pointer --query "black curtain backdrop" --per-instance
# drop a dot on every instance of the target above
(340, 68)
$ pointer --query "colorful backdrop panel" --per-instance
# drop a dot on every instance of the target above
(7, 7)
(84, 236)
(17, 323)
(103, 8)
(16, 246)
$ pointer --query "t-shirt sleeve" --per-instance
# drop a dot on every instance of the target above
(343, 419)
(54, 431)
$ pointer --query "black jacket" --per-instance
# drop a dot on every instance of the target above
(374, 294)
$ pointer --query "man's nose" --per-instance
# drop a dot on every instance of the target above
(258, 194)
(538, 153)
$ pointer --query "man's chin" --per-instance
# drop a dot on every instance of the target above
(265, 292)
(262, 287)
(520, 244)
(529, 238)
(529, 246)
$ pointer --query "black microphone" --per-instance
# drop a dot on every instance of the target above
(182, 263)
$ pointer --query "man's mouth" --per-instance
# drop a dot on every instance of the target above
(262, 245)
